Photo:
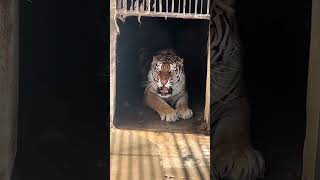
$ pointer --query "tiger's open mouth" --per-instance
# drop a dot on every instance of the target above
(164, 91)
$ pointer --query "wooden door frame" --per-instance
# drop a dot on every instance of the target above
(311, 152)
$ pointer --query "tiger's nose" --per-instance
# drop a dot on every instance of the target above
(164, 81)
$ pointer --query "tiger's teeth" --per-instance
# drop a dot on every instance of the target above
(164, 90)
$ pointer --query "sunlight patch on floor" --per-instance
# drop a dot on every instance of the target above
(155, 155)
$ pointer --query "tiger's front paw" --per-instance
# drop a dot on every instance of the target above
(184, 113)
(238, 162)
(168, 115)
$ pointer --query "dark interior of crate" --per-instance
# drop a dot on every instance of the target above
(189, 39)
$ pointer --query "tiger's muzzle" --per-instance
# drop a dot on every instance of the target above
(164, 90)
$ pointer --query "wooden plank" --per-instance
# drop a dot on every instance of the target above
(311, 151)
(9, 85)
(207, 102)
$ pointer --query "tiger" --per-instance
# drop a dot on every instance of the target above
(165, 89)
(234, 156)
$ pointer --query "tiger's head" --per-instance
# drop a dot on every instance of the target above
(166, 74)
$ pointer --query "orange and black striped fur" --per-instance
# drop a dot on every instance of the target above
(235, 158)
(165, 90)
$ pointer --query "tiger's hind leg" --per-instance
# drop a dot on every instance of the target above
(235, 159)
(182, 108)
(166, 112)
(239, 162)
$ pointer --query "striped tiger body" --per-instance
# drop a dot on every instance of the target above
(234, 159)
(225, 47)
(165, 90)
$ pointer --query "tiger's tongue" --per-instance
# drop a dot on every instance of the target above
(164, 90)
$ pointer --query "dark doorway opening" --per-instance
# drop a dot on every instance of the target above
(189, 39)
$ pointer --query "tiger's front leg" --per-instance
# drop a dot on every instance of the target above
(166, 112)
(182, 108)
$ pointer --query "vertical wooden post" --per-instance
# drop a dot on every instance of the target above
(207, 101)
(113, 40)
(9, 81)
(208, 6)
(311, 154)
(196, 7)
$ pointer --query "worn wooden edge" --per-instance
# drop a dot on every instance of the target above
(114, 31)
(207, 102)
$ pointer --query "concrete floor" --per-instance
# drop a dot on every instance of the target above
(133, 115)
(158, 155)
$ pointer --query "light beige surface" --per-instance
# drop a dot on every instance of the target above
(313, 97)
(145, 155)
(8, 84)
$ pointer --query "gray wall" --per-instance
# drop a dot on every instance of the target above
(8, 85)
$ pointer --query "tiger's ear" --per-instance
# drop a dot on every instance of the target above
(180, 61)
(154, 60)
